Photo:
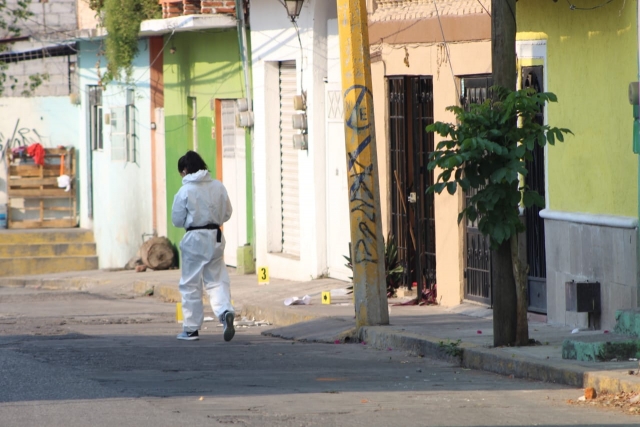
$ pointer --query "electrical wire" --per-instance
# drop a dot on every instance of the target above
(446, 46)
(574, 7)
(485, 9)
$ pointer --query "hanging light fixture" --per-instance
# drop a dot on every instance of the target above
(293, 8)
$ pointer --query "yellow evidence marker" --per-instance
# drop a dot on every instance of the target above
(326, 297)
(263, 275)
(179, 317)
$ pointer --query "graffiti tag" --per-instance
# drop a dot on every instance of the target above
(361, 173)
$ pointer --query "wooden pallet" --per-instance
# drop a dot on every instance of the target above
(38, 187)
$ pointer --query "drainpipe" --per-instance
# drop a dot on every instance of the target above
(636, 136)
(242, 41)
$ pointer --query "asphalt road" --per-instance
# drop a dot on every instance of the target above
(80, 359)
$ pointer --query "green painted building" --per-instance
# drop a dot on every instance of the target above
(203, 79)
(587, 58)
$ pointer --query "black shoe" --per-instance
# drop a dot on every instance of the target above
(188, 336)
(229, 330)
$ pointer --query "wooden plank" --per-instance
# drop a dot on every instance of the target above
(50, 152)
(50, 223)
(31, 182)
(50, 208)
(47, 193)
(34, 171)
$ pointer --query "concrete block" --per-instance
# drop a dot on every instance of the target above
(47, 250)
(551, 245)
(601, 348)
(37, 265)
(575, 249)
(577, 320)
(628, 322)
(74, 235)
(615, 297)
(553, 297)
(607, 254)
(245, 260)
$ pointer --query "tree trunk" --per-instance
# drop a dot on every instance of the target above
(520, 272)
(157, 253)
(503, 58)
(503, 43)
(504, 296)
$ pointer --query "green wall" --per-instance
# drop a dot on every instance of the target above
(205, 65)
(591, 58)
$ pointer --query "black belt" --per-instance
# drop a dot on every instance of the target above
(209, 227)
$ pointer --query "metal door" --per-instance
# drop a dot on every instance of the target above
(234, 177)
(536, 255)
(412, 223)
(477, 270)
(290, 202)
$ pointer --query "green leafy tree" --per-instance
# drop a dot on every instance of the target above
(122, 20)
(485, 151)
(11, 16)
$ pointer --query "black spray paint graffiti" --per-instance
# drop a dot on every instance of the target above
(20, 137)
(361, 197)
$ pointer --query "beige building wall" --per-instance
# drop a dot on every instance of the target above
(87, 17)
(467, 58)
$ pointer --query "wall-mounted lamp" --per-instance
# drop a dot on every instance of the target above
(293, 8)
(153, 125)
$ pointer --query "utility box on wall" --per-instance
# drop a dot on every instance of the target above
(583, 297)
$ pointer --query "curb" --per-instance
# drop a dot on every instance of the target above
(163, 291)
(75, 284)
(478, 358)
(381, 337)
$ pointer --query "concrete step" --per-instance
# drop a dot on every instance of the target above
(628, 322)
(601, 348)
(47, 250)
(24, 237)
(45, 265)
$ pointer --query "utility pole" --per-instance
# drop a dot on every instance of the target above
(503, 60)
(367, 247)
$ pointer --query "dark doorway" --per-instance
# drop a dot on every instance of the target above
(477, 272)
(412, 209)
(532, 77)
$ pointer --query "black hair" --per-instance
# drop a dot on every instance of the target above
(192, 162)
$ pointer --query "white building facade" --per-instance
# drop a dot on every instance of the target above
(301, 196)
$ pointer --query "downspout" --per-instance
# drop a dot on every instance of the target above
(637, 136)
(244, 57)
(242, 42)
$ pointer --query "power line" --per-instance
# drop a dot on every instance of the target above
(485, 9)
(446, 46)
(574, 7)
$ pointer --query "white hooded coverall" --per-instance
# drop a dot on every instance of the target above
(200, 201)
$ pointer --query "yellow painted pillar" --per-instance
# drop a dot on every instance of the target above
(367, 248)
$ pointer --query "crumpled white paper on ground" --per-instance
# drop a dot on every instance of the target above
(305, 300)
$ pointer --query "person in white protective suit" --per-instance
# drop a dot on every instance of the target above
(201, 206)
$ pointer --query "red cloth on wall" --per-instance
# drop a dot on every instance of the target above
(37, 152)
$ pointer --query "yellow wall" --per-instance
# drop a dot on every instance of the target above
(431, 60)
(591, 58)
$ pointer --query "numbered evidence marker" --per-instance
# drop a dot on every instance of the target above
(326, 297)
(263, 275)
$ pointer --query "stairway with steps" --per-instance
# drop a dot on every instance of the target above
(27, 252)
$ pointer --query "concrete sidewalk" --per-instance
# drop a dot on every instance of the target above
(463, 334)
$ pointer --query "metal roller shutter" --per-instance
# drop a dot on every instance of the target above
(288, 162)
